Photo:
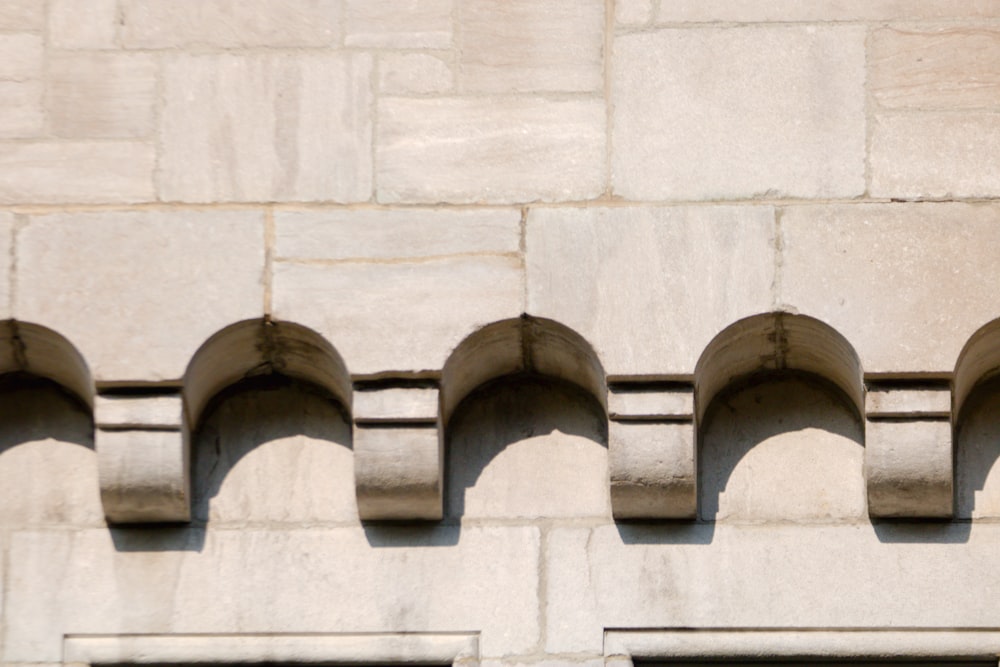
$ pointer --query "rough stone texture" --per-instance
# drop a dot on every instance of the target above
(144, 475)
(935, 155)
(952, 68)
(82, 25)
(653, 470)
(117, 411)
(230, 23)
(398, 472)
(79, 172)
(908, 402)
(873, 269)
(22, 15)
(398, 316)
(8, 222)
(414, 74)
(22, 114)
(21, 57)
(499, 150)
(684, 11)
(390, 24)
(650, 402)
(785, 434)
(908, 465)
(529, 46)
(48, 470)
(273, 453)
(661, 282)
(777, 111)
(633, 12)
(169, 281)
(101, 95)
(337, 234)
(396, 404)
(273, 127)
(529, 448)
(190, 581)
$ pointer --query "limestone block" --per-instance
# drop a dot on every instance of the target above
(169, 279)
(272, 127)
(888, 401)
(497, 150)
(977, 448)
(950, 68)
(399, 316)
(656, 274)
(22, 15)
(117, 411)
(842, 264)
(701, 575)
(777, 111)
(22, 114)
(335, 234)
(653, 469)
(704, 11)
(144, 474)
(909, 469)
(398, 472)
(935, 155)
(82, 25)
(527, 46)
(78, 172)
(637, 402)
(396, 404)
(414, 74)
(153, 24)
(102, 95)
(633, 12)
(21, 57)
(193, 581)
(389, 24)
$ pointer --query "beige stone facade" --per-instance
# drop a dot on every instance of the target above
(499, 332)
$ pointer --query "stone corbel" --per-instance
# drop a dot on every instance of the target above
(398, 462)
(651, 451)
(142, 452)
(908, 451)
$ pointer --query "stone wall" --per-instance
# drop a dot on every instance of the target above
(500, 332)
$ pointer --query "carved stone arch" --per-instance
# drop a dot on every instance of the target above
(780, 385)
(978, 363)
(37, 350)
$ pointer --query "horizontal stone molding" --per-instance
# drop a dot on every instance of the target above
(244, 649)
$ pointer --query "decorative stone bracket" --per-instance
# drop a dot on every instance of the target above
(908, 451)
(652, 452)
(142, 453)
(398, 462)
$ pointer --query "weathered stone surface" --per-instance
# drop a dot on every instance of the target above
(7, 224)
(653, 470)
(684, 11)
(498, 150)
(275, 453)
(531, 448)
(399, 316)
(21, 57)
(82, 25)
(144, 475)
(118, 411)
(977, 449)
(787, 434)
(396, 404)
(661, 282)
(102, 95)
(79, 172)
(690, 576)
(935, 155)
(908, 466)
(272, 581)
(334, 234)
(22, 114)
(275, 127)
(153, 24)
(389, 24)
(858, 267)
(529, 46)
(898, 402)
(776, 111)
(169, 280)
(414, 74)
(644, 402)
(398, 472)
(952, 68)
(22, 15)
(48, 471)
(633, 12)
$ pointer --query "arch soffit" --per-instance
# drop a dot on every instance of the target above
(978, 362)
(40, 351)
(253, 348)
(520, 345)
(775, 342)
